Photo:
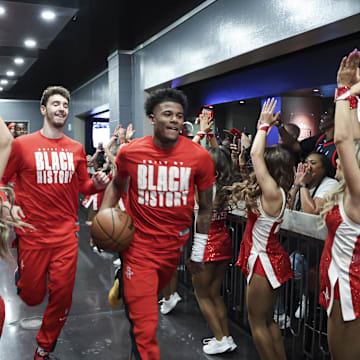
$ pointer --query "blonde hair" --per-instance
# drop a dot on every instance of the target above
(5, 223)
(246, 193)
(332, 197)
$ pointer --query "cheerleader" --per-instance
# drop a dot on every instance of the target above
(340, 260)
(262, 259)
(6, 140)
(217, 255)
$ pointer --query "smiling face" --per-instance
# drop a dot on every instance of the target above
(56, 111)
(167, 119)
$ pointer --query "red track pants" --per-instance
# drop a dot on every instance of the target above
(53, 269)
(143, 280)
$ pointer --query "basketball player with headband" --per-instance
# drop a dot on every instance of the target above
(163, 170)
(50, 170)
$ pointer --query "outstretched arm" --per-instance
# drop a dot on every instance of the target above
(269, 188)
(110, 144)
(347, 76)
(195, 263)
(6, 140)
(286, 138)
(205, 128)
(344, 129)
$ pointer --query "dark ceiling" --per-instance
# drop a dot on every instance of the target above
(74, 47)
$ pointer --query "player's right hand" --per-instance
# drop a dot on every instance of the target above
(194, 267)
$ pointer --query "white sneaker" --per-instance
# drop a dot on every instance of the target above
(217, 347)
(117, 262)
(207, 340)
(231, 343)
(303, 305)
(282, 320)
(169, 305)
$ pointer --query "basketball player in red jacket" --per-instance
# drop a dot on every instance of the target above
(50, 170)
(163, 170)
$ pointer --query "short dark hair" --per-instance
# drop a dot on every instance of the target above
(54, 90)
(163, 95)
(293, 130)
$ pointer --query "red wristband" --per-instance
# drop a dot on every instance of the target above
(264, 127)
(201, 134)
(209, 136)
(353, 101)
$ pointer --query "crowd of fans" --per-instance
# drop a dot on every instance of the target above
(317, 176)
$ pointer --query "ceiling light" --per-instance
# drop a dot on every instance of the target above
(4, 82)
(30, 43)
(2, 10)
(1, 88)
(10, 73)
(18, 61)
(48, 15)
(316, 90)
(242, 102)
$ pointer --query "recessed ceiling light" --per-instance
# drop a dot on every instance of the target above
(48, 15)
(316, 90)
(30, 43)
(1, 88)
(2, 10)
(18, 61)
(10, 73)
(4, 82)
(242, 102)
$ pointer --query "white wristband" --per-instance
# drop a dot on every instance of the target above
(344, 96)
(198, 248)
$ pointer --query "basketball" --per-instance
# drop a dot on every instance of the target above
(112, 230)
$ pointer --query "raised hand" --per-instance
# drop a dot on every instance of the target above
(116, 131)
(267, 115)
(348, 73)
(245, 140)
(121, 134)
(129, 133)
(205, 122)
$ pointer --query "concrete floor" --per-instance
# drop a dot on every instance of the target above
(94, 331)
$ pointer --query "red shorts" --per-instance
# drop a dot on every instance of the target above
(258, 268)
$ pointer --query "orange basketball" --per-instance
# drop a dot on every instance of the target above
(112, 230)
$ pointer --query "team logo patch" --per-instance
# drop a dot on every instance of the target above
(128, 272)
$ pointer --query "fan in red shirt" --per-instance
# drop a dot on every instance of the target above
(163, 170)
(50, 170)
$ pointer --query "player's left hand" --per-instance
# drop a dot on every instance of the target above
(100, 180)
(194, 267)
